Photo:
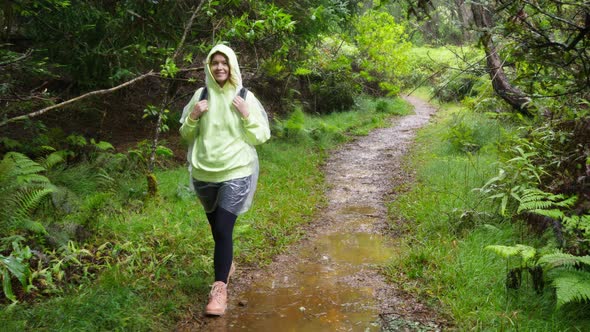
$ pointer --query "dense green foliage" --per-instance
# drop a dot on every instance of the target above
(79, 234)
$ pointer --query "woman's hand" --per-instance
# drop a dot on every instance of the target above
(242, 107)
(200, 108)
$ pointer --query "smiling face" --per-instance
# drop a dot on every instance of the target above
(219, 67)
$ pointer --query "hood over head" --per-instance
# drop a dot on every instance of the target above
(235, 77)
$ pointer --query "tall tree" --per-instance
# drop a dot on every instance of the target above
(483, 17)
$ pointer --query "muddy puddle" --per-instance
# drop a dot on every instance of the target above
(332, 280)
(321, 291)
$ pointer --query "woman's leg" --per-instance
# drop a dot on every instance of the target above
(222, 226)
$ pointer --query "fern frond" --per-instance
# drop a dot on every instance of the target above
(567, 203)
(558, 259)
(102, 145)
(52, 160)
(23, 164)
(578, 222)
(546, 204)
(104, 180)
(526, 252)
(552, 213)
(30, 200)
(535, 205)
(504, 251)
(570, 285)
(32, 179)
(30, 225)
(534, 194)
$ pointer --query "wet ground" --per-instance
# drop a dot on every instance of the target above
(331, 281)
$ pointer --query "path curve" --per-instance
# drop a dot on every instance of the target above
(361, 174)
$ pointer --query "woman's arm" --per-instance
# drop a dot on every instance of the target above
(254, 119)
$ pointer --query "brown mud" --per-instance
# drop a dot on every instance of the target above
(332, 279)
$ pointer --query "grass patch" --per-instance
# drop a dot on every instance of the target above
(447, 225)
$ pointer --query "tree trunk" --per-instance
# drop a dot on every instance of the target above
(465, 16)
(512, 95)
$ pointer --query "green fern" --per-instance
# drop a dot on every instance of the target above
(571, 285)
(52, 159)
(560, 259)
(25, 204)
(557, 207)
(575, 222)
(569, 276)
(540, 202)
(23, 189)
(527, 253)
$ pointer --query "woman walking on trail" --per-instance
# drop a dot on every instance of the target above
(221, 125)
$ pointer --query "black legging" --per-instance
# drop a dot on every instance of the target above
(222, 226)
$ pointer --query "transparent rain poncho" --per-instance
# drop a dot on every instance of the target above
(235, 195)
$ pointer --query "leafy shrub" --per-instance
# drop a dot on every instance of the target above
(327, 80)
(454, 88)
(293, 127)
(461, 135)
(383, 49)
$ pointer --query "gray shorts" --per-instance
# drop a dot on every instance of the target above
(230, 195)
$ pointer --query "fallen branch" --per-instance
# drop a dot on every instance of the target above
(22, 57)
(73, 100)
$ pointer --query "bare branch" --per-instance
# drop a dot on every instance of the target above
(22, 57)
(73, 100)
(557, 18)
(186, 30)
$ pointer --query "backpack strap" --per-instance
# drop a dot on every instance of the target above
(204, 94)
(243, 92)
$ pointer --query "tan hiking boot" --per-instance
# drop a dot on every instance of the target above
(217, 299)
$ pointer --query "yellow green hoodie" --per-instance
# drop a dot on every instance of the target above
(221, 141)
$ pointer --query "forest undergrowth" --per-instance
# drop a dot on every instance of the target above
(450, 231)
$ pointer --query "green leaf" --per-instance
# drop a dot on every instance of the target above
(164, 151)
(526, 252)
(7, 286)
(104, 146)
(16, 268)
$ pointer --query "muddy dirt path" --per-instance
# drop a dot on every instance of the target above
(331, 280)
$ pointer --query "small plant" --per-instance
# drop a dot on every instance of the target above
(461, 136)
(15, 265)
(558, 207)
(515, 177)
(294, 126)
(23, 189)
(527, 257)
(568, 274)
